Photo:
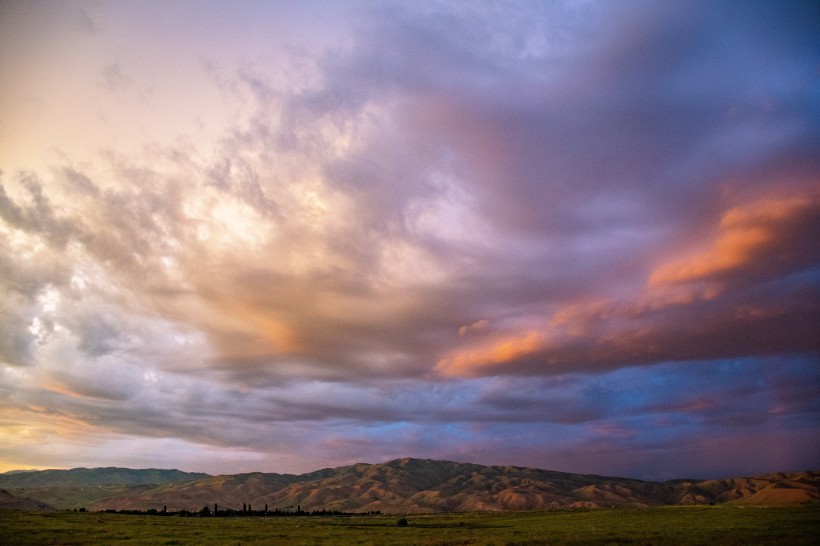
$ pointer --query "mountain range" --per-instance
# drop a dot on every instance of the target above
(403, 485)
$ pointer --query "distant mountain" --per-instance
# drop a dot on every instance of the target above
(92, 477)
(403, 485)
(415, 485)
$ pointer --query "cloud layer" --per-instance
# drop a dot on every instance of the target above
(573, 235)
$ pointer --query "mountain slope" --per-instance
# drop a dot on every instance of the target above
(13, 502)
(775, 488)
(81, 487)
(414, 485)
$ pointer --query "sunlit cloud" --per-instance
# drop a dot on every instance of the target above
(763, 236)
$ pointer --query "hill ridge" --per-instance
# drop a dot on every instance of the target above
(109, 475)
(427, 485)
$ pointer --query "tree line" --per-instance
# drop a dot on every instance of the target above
(246, 511)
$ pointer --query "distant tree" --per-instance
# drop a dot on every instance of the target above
(205, 511)
(402, 522)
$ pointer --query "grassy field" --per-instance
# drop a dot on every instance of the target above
(667, 525)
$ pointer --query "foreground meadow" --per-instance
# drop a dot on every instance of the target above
(667, 525)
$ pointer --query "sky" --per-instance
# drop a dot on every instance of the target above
(280, 236)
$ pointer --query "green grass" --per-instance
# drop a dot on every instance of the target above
(667, 525)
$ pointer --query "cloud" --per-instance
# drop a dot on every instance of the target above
(114, 78)
(511, 223)
(476, 326)
(748, 293)
(328, 199)
(765, 239)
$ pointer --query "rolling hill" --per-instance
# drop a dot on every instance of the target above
(416, 485)
(13, 502)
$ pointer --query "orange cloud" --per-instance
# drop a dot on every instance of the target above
(574, 319)
(249, 330)
(500, 351)
(746, 236)
(692, 307)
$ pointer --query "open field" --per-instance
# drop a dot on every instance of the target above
(666, 525)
